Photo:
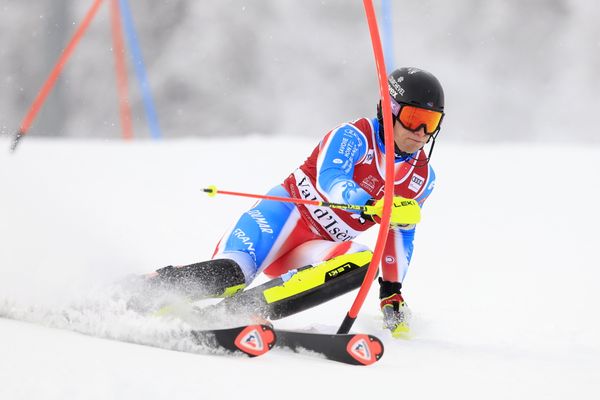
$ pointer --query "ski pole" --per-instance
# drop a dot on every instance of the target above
(369, 210)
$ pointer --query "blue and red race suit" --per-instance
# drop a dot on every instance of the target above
(346, 167)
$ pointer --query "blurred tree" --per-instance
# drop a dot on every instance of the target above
(512, 70)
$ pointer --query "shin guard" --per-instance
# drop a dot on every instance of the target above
(300, 289)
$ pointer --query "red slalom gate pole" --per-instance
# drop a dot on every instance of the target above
(389, 171)
(49, 84)
(121, 69)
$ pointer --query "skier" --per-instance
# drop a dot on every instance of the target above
(347, 166)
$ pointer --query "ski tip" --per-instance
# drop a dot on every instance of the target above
(255, 340)
(365, 349)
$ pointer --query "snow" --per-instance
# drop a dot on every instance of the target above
(503, 284)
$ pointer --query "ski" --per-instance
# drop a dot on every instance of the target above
(252, 340)
(256, 340)
(354, 349)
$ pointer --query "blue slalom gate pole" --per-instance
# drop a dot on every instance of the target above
(388, 34)
(140, 69)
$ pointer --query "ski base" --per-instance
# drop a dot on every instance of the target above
(354, 349)
(252, 340)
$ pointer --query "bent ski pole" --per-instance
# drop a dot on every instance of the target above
(389, 170)
(369, 210)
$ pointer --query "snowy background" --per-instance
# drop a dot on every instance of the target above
(513, 70)
(503, 284)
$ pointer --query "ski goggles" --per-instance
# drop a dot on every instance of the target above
(413, 117)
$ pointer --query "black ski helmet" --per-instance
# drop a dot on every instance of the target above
(409, 85)
(416, 87)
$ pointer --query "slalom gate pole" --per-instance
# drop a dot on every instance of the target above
(121, 69)
(140, 69)
(389, 171)
(388, 33)
(51, 80)
(213, 191)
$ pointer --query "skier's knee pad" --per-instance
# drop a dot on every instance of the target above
(214, 278)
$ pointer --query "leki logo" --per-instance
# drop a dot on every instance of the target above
(334, 273)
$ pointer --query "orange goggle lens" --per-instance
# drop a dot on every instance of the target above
(413, 118)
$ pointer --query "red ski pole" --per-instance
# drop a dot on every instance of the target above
(213, 191)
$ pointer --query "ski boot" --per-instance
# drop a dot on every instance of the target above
(396, 314)
(172, 290)
(207, 279)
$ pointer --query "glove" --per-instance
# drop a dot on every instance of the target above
(404, 211)
(396, 314)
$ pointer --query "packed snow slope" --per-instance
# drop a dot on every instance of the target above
(503, 283)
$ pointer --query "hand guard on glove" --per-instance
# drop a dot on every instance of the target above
(404, 211)
(396, 314)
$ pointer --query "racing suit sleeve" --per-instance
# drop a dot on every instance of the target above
(339, 152)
